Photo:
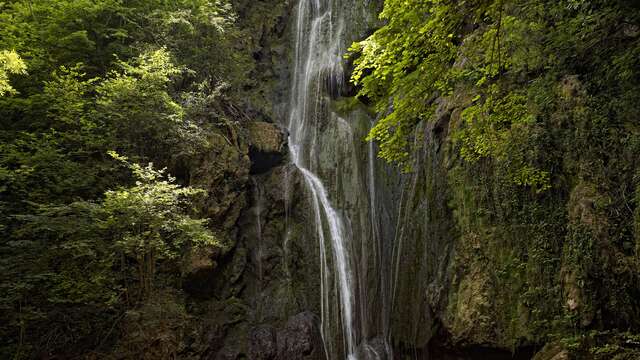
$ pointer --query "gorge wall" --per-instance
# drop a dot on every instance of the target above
(447, 261)
(192, 179)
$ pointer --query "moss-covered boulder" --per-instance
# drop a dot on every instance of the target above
(267, 146)
(266, 137)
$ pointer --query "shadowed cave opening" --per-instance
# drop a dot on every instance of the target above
(262, 161)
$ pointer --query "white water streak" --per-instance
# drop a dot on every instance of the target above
(317, 56)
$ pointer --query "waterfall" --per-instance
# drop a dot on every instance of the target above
(339, 178)
(317, 58)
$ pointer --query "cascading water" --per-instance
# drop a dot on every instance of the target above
(351, 309)
(317, 52)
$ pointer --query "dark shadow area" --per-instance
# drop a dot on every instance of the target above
(261, 162)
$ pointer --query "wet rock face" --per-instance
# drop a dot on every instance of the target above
(263, 343)
(261, 297)
(223, 172)
(228, 354)
(374, 349)
(267, 146)
(299, 339)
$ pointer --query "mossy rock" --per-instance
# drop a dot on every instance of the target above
(266, 137)
(553, 351)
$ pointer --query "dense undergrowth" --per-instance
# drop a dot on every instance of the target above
(86, 240)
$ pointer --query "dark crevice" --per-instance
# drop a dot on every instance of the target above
(261, 161)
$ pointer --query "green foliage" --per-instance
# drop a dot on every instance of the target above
(603, 345)
(150, 223)
(529, 101)
(508, 57)
(402, 65)
(66, 95)
(158, 329)
(10, 63)
(136, 105)
(134, 229)
(496, 128)
(84, 238)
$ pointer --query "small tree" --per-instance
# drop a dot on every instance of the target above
(136, 106)
(150, 221)
(10, 63)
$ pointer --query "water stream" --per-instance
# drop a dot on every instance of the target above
(316, 52)
(346, 304)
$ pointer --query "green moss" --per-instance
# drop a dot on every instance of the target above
(514, 236)
(345, 105)
(601, 345)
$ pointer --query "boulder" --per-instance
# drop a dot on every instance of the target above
(301, 339)
(267, 146)
(266, 137)
(263, 343)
